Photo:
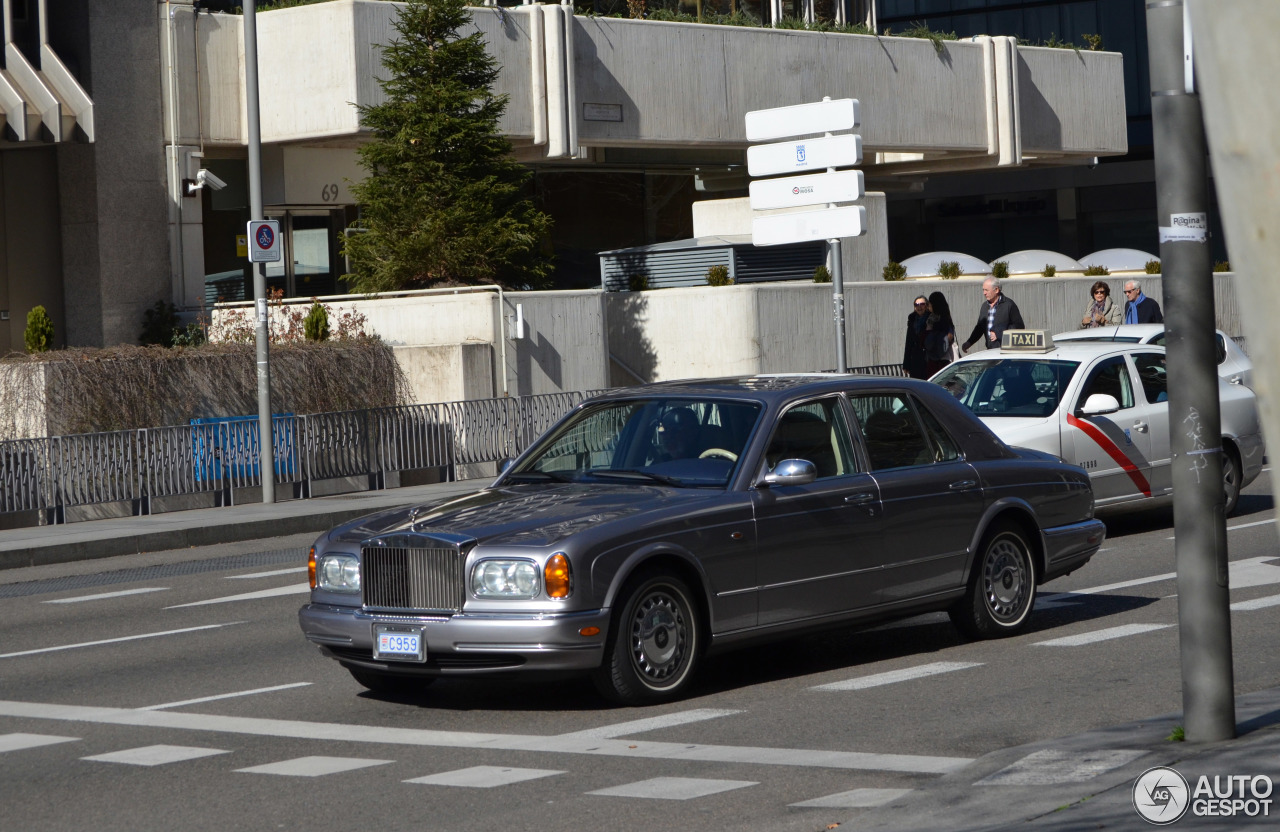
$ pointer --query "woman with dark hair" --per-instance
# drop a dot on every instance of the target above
(939, 334)
(913, 353)
(1101, 311)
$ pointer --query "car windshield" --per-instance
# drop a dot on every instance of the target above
(1029, 388)
(669, 441)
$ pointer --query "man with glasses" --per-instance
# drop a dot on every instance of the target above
(913, 357)
(1138, 308)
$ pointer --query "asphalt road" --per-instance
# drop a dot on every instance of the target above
(175, 691)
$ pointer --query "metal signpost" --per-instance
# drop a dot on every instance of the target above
(826, 153)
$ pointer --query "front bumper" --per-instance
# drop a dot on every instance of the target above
(1067, 548)
(464, 644)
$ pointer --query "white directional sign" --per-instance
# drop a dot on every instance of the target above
(803, 119)
(804, 155)
(264, 241)
(827, 224)
(815, 189)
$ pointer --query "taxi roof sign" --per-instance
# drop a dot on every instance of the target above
(1026, 340)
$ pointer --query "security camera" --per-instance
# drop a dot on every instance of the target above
(203, 177)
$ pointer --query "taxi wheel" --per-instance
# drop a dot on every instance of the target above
(1002, 588)
(655, 643)
(1232, 475)
(386, 684)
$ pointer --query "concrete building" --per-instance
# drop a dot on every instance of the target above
(626, 124)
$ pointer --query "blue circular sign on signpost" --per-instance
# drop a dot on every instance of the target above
(266, 237)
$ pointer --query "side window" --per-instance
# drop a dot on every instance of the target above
(944, 447)
(1222, 348)
(1111, 377)
(816, 431)
(1151, 371)
(892, 431)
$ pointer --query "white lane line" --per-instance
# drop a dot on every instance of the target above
(155, 755)
(484, 777)
(314, 766)
(854, 799)
(103, 595)
(294, 589)
(674, 788)
(892, 676)
(652, 723)
(1093, 590)
(1103, 635)
(117, 640)
(271, 574)
(1241, 526)
(1052, 766)
(1256, 603)
(632, 749)
(1242, 573)
(223, 696)
(19, 742)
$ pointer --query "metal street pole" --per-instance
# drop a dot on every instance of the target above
(1204, 616)
(837, 289)
(266, 448)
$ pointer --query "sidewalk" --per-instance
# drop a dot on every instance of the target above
(1087, 781)
(41, 545)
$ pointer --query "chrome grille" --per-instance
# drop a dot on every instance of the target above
(422, 580)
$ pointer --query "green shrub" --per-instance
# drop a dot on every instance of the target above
(316, 325)
(191, 335)
(159, 324)
(1094, 42)
(895, 271)
(949, 270)
(638, 282)
(1152, 267)
(1096, 271)
(821, 275)
(39, 333)
(1000, 269)
(1049, 270)
(719, 276)
(1222, 266)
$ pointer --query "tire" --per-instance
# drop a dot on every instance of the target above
(1002, 588)
(1232, 477)
(656, 643)
(386, 684)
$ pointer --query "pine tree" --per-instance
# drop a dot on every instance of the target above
(444, 201)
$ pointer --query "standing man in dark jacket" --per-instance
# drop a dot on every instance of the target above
(1138, 308)
(997, 314)
(913, 360)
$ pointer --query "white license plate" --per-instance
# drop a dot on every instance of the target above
(399, 643)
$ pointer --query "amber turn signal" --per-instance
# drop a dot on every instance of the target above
(589, 631)
(311, 567)
(556, 577)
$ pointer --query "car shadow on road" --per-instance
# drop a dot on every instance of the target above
(1162, 519)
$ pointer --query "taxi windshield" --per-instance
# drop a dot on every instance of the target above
(1021, 387)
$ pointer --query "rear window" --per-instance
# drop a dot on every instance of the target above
(1027, 388)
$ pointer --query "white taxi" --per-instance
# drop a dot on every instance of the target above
(1233, 364)
(1102, 405)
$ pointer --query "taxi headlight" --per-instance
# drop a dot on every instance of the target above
(505, 579)
(338, 573)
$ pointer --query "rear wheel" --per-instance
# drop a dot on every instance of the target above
(1232, 477)
(655, 645)
(1002, 588)
(387, 684)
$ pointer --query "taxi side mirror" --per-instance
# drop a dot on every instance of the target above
(1099, 404)
(791, 472)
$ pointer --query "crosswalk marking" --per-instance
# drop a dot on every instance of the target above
(1256, 603)
(854, 799)
(294, 589)
(18, 742)
(484, 777)
(892, 676)
(1102, 635)
(653, 723)
(104, 595)
(224, 696)
(631, 749)
(1052, 766)
(155, 755)
(116, 640)
(314, 766)
(673, 788)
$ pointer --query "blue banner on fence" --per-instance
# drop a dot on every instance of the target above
(226, 447)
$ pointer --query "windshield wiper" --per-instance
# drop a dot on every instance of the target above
(544, 476)
(631, 473)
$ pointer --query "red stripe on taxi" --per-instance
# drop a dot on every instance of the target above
(1113, 451)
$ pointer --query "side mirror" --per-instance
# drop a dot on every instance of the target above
(1099, 404)
(504, 464)
(791, 472)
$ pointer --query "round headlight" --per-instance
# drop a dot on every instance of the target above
(332, 572)
(493, 577)
(525, 578)
(351, 574)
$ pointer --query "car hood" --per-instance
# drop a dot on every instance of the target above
(522, 515)
(1037, 434)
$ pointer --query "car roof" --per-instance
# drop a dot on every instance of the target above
(1102, 333)
(1066, 351)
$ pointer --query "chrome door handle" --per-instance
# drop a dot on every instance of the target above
(860, 499)
(963, 484)
(1236, 380)
(1140, 427)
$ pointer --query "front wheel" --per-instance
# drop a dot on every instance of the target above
(655, 645)
(1002, 588)
(1232, 477)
